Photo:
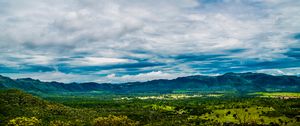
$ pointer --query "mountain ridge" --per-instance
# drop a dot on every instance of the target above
(238, 82)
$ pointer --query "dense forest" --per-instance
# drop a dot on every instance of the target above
(18, 108)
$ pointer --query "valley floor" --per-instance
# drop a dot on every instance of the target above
(261, 108)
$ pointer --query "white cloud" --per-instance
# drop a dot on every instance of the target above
(112, 78)
(282, 71)
(96, 61)
(54, 76)
(16, 60)
(142, 77)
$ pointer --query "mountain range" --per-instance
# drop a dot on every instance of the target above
(231, 82)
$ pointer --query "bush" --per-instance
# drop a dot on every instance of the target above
(24, 121)
(60, 123)
(112, 120)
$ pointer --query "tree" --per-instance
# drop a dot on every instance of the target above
(228, 113)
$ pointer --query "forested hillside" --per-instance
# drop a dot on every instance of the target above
(230, 82)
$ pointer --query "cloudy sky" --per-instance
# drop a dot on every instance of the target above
(139, 40)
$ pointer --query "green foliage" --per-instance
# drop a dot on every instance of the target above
(24, 121)
(112, 120)
(284, 95)
(16, 106)
(162, 108)
(60, 123)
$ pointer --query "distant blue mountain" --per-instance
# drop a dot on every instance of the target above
(236, 82)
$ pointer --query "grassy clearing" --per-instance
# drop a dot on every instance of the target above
(277, 94)
(243, 116)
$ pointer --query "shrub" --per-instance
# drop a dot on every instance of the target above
(228, 113)
(60, 123)
(24, 121)
(112, 120)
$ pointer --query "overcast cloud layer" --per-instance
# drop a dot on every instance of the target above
(139, 40)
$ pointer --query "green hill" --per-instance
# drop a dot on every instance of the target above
(15, 105)
(231, 82)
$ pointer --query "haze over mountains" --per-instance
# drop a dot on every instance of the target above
(229, 82)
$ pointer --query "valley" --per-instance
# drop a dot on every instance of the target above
(241, 99)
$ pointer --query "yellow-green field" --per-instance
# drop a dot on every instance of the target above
(249, 115)
(284, 95)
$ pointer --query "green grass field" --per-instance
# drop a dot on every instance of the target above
(253, 114)
(277, 94)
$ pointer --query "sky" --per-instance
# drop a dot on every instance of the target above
(119, 41)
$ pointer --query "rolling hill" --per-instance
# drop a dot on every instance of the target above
(237, 82)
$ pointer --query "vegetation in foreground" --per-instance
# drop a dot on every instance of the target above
(19, 108)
